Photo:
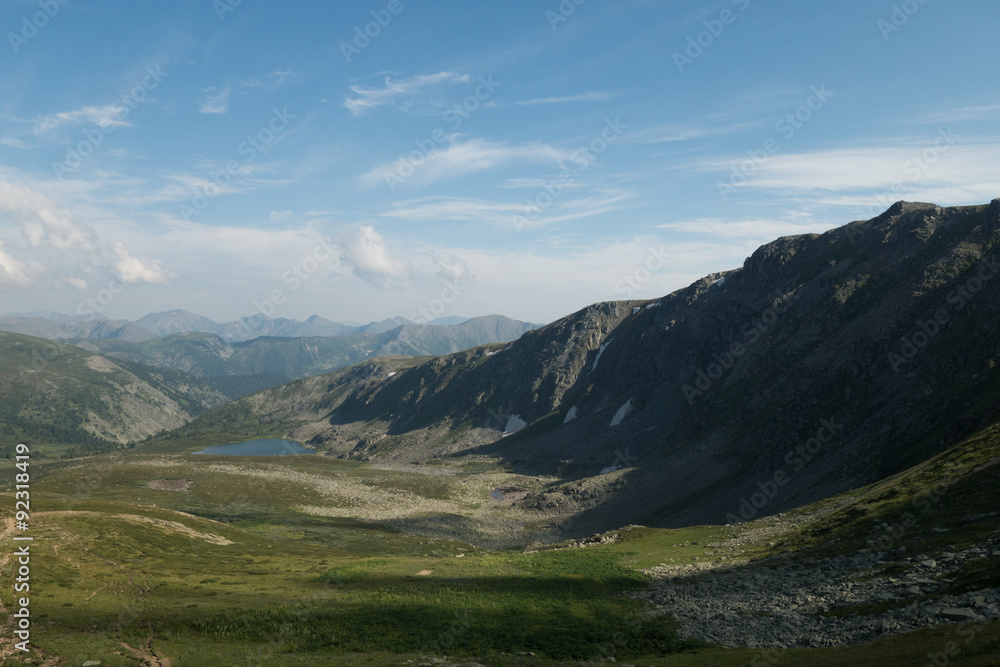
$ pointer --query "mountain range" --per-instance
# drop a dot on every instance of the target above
(826, 362)
(56, 326)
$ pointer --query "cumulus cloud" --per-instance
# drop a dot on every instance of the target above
(13, 271)
(44, 223)
(134, 270)
(365, 251)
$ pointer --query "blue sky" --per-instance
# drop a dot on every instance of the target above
(523, 158)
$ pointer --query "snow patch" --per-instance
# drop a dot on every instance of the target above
(636, 310)
(605, 471)
(600, 351)
(720, 282)
(514, 424)
(392, 373)
(622, 413)
(653, 305)
(571, 415)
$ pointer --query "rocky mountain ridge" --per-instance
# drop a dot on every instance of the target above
(825, 362)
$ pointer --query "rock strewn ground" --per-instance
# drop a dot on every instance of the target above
(782, 602)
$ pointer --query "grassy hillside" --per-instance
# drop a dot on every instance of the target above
(56, 393)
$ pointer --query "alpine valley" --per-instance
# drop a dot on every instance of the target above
(791, 462)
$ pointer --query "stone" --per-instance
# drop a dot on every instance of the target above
(957, 614)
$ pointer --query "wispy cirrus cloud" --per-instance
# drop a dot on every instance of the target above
(272, 81)
(459, 158)
(216, 100)
(506, 214)
(970, 112)
(762, 229)
(111, 115)
(672, 132)
(365, 99)
(583, 97)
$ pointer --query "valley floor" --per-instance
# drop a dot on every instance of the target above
(152, 557)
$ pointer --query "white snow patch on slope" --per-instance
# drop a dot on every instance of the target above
(571, 415)
(600, 351)
(514, 424)
(605, 471)
(622, 413)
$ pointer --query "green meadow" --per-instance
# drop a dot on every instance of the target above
(233, 571)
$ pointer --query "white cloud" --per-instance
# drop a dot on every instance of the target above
(452, 267)
(762, 229)
(511, 214)
(14, 271)
(75, 283)
(366, 99)
(14, 142)
(216, 100)
(870, 167)
(365, 251)
(583, 97)
(272, 81)
(43, 221)
(111, 115)
(460, 158)
(134, 270)
(280, 216)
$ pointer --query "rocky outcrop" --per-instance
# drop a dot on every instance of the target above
(788, 601)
